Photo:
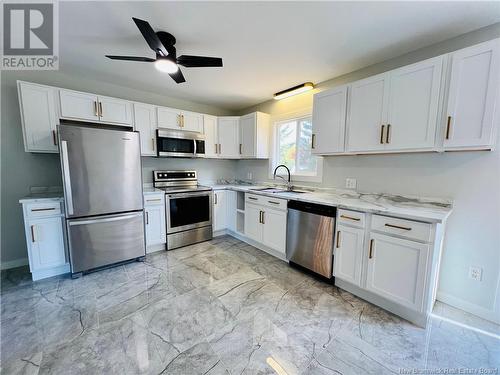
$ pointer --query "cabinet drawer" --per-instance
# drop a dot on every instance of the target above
(404, 228)
(277, 203)
(253, 198)
(43, 209)
(154, 199)
(353, 218)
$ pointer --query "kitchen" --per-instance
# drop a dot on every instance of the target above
(389, 207)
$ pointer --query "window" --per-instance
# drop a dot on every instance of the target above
(293, 139)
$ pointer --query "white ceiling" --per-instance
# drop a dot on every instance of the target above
(266, 46)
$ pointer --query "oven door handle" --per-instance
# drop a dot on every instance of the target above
(184, 195)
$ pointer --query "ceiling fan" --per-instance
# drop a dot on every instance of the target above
(162, 43)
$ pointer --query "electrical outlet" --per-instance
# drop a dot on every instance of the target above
(350, 183)
(476, 273)
(249, 176)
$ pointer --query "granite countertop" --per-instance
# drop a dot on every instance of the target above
(432, 210)
(151, 190)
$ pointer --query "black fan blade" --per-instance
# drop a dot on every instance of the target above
(150, 36)
(198, 61)
(130, 58)
(177, 76)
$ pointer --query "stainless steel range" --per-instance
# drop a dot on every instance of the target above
(188, 207)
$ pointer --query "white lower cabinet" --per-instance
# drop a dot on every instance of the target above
(231, 203)
(397, 269)
(45, 238)
(265, 224)
(219, 210)
(348, 254)
(154, 213)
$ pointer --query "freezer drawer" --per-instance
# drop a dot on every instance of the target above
(104, 240)
(309, 242)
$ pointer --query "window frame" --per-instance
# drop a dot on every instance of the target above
(273, 161)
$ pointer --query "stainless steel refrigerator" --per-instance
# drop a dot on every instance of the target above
(102, 182)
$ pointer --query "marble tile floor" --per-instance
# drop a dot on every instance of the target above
(219, 307)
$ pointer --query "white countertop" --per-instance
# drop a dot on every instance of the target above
(414, 208)
(40, 197)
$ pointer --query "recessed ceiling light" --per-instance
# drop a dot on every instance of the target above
(294, 90)
(166, 66)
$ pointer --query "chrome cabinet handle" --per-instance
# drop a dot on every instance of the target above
(382, 134)
(388, 133)
(240, 149)
(154, 145)
(252, 198)
(54, 137)
(272, 202)
(147, 218)
(154, 200)
(448, 126)
(260, 217)
(100, 109)
(338, 239)
(42, 209)
(215, 198)
(313, 138)
(67, 177)
(370, 255)
(96, 111)
(263, 217)
(397, 226)
(216, 149)
(350, 218)
(220, 148)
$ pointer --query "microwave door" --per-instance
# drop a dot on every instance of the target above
(170, 146)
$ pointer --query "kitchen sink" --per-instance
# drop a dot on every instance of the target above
(277, 190)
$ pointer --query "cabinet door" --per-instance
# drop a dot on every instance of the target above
(231, 197)
(397, 269)
(38, 113)
(145, 124)
(192, 122)
(473, 94)
(227, 131)
(46, 243)
(253, 226)
(274, 229)
(247, 134)
(211, 140)
(329, 117)
(79, 105)
(366, 114)
(115, 110)
(347, 260)
(220, 210)
(169, 118)
(155, 224)
(413, 105)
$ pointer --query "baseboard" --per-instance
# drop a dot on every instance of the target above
(155, 248)
(14, 263)
(459, 303)
(50, 272)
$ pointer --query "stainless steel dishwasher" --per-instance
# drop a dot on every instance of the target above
(309, 237)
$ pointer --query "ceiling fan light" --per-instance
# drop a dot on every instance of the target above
(294, 91)
(166, 66)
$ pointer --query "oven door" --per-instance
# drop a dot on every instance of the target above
(188, 211)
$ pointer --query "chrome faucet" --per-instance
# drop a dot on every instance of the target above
(288, 183)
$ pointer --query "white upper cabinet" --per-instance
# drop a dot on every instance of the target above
(397, 269)
(329, 117)
(192, 122)
(254, 136)
(83, 106)
(473, 106)
(211, 138)
(145, 124)
(115, 110)
(39, 117)
(413, 106)
(367, 114)
(171, 118)
(228, 135)
(79, 105)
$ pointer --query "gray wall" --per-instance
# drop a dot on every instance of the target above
(21, 170)
(471, 179)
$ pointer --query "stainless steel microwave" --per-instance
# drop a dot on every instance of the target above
(180, 143)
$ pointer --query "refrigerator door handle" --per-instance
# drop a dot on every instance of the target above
(104, 220)
(67, 177)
